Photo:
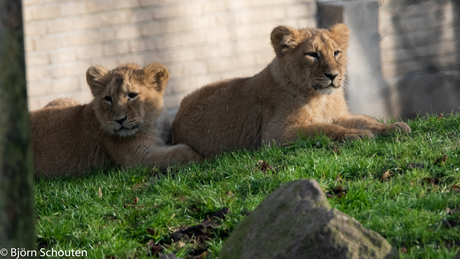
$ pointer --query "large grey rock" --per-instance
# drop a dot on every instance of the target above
(296, 221)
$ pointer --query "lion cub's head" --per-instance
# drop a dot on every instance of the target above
(128, 98)
(314, 58)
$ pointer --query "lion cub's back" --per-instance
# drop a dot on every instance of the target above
(65, 141)
(218, 117)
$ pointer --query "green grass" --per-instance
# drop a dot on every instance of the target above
(409, 212)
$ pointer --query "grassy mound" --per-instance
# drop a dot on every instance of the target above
(405, 187)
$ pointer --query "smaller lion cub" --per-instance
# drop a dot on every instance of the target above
(124, 125)
(300, 91)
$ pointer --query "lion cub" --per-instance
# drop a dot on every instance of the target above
(124, 125)
(300, 91)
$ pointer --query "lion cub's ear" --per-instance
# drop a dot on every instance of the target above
(284, 38)
(341, 35)
(156, 75)
(95, 78)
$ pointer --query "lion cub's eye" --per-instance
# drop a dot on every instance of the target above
(108, 99)
(132, 95)
(312, 54)
(336, 53)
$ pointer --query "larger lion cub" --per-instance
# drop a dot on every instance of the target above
(300, 91)
(124, 125)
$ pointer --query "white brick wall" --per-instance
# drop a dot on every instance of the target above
(199, 41)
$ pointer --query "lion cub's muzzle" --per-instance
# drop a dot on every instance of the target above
(327, 83)
(125, 128)
(328, 80)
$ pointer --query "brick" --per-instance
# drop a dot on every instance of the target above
(27, 14)
(102, 19)
(153, 28)
(187, 69)
(61, 25)
(83, 96)
(38, 88)
(223, 64)
(300, 10)
(253, 44)
(37, 73)
(126, 32)
(218, 35)
(58, 71)
(90, 51)
(223, 19)
(44, 12)
(140, 44)
(304, 23)
(76, 69)
(63, 55)
(90, 36)
(52, 42)
(99, 6)
(34, 59)
(119, 4)
(35, 28)
(257, 29)
(159, 2)
(137, 59)
(214, 51)
(241, 72)
(66, 85)
(215, 6)
(29, 44)
(236, 5)
(73, 8)
(26, 3)
(140, 15)
(178, 55)
(33, 104)
(178, 10)
(264, 58)
(116, 48)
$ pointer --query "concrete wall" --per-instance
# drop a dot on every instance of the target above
(420, 46)
(199, 41)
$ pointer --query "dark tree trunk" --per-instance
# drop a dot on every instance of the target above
(17, 216)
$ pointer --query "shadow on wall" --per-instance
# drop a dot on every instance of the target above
(434, 84)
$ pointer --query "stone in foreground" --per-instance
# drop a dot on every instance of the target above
(296, 221)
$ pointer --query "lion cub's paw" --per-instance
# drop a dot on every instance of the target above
(358, 135)
(403, 127)
(398, 127)
(188, 154)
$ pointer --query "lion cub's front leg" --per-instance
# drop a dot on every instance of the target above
(336, 132)
(148, 154)
(368, 123)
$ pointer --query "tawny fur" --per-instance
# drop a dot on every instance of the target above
(70, 139)
(299, 92)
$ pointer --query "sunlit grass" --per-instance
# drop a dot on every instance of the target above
(409, 212)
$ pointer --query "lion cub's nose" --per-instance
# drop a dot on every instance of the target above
(121, 120)
(331, 76)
